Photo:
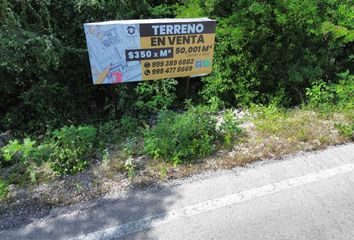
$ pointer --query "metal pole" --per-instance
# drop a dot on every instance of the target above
(187, 87)
(114, 100)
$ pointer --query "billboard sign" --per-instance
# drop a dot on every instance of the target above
(137, 50)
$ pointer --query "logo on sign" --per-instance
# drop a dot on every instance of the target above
(202, 63)
(131, 30)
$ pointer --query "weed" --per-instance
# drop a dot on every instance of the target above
(9, 151)
(108, 133)
(105, 156)
(129, 126)
(163, 172)
(25, 152)
(229, 128)
(79, 187)
(130, 146)
(346, 130)
(130, 167)
(329, 97)
(72, 148)
(3, 189)
(153, 96)
(28, 156)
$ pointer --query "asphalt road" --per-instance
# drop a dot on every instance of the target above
(307, 196)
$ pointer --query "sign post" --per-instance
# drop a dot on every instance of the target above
(138, 50)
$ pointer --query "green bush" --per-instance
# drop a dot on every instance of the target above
(45, 79)
(10, 150)
(324, 95)
(108, 133)
(154, 96)
(27, 156)
(26, 152)
(69, 150)
(263, 47)
(180, 137)
(72, 148)
(129, 125)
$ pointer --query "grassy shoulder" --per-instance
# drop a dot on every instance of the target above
(77, 163)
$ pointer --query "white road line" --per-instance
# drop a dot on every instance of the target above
(156, 220)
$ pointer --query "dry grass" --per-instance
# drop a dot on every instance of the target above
(267, 135)
(284, 133)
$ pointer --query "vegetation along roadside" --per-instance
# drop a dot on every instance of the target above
(282, 82)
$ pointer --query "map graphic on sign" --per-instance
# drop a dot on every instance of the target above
(136, 50)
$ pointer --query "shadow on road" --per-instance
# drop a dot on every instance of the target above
(98, 215)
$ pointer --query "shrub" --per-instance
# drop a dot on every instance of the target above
(108, 133)
(72, 148)
(262, 47)
(44, 69)
(181, 137)
(324, 95)
(265, 46)
(68, 149)
(153, 96)
(26, 152)
(129, 126)
(10, 150)
(28, 155)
